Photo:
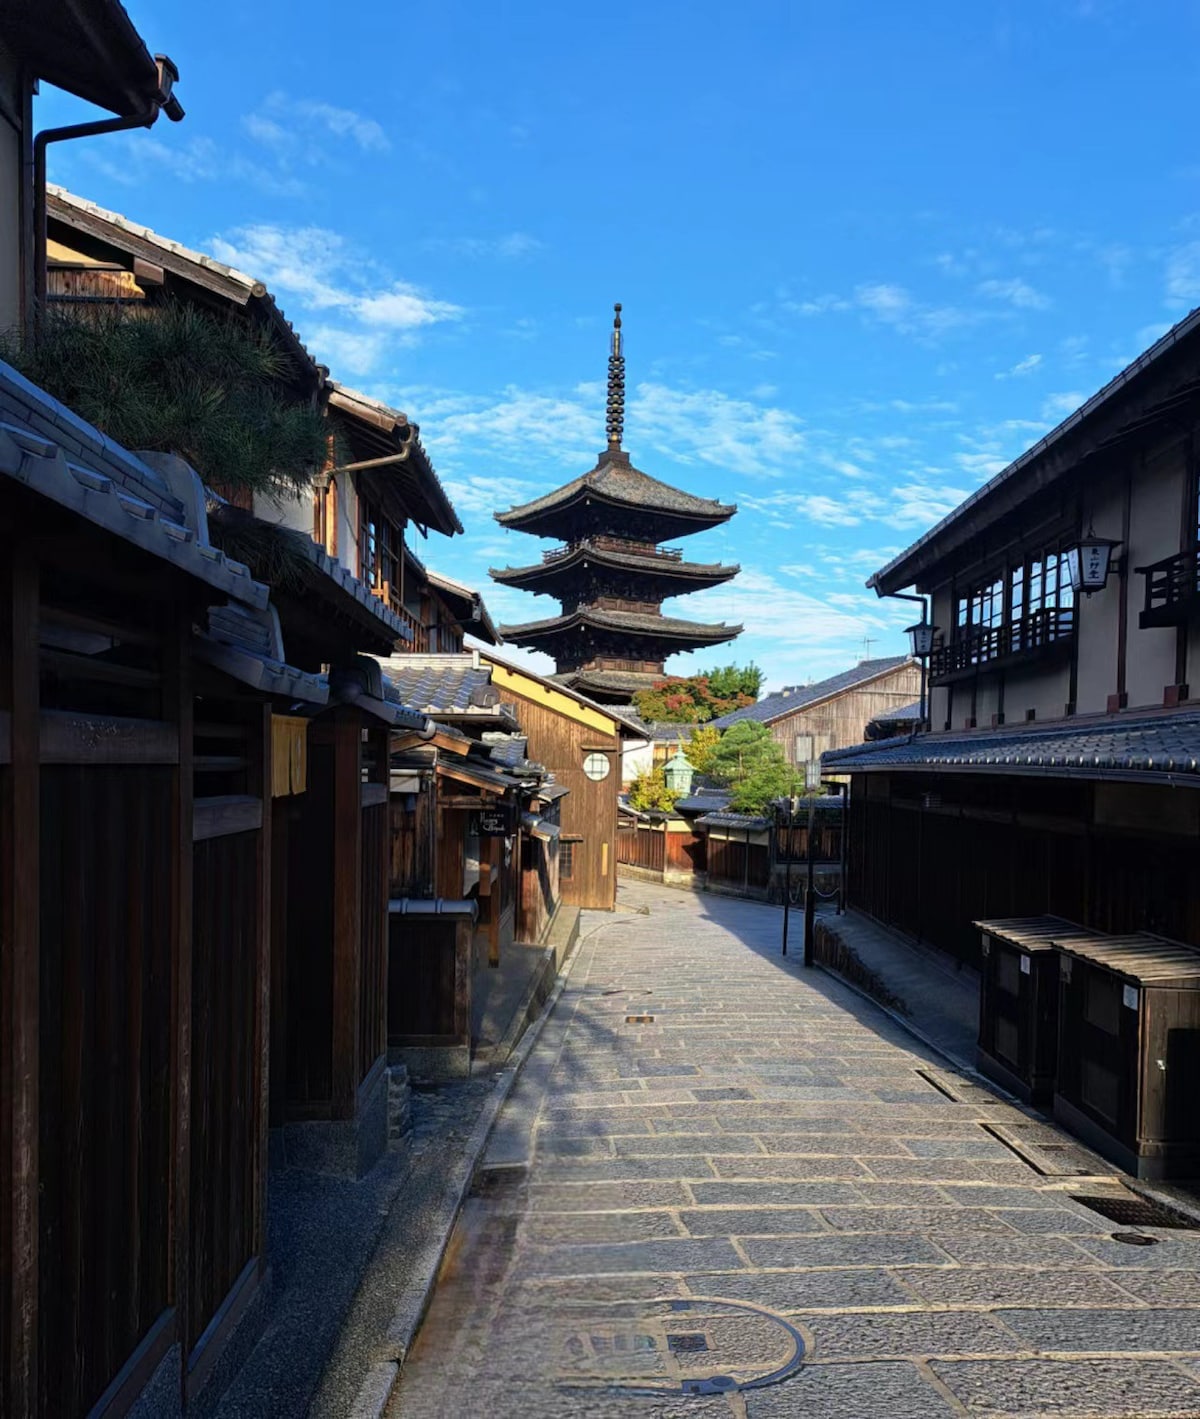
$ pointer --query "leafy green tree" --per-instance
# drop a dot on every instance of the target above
(701, 746)
(731, 681)
(649, 791)
(767, 781)
(743, 747)
(176, 379)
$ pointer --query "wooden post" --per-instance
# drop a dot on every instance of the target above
(495, 899)
(347, 908)
(261, 783)
(179, 709)
(19, 985)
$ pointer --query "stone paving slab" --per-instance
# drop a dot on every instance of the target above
(1030, 1389)
(772, 1142)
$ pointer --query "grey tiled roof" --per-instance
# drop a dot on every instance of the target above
(438, 684)
(799, 696)
(625, 682)
(669, 626)
(619, 482)
(704, 800)
(50, 449)
(247, 644)
(750, 821)
(1161, 746)
(899, 715)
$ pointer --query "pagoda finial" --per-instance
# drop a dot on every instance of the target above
(614, 418)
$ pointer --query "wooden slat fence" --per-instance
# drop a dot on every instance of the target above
(224, 1076)
(105, 1106)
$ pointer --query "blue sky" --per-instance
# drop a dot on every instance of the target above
(868, 252)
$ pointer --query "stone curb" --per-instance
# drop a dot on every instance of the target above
(376, 1390)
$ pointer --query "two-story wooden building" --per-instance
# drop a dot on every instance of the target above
(1062, 770)
(806, 720)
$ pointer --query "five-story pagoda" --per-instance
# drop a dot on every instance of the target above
(611, 575)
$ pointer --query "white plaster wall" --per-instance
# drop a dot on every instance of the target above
(346, 495)
(1044, 691)
(637, 758)
(1154, 533)
(1098, 614)
(987, 700)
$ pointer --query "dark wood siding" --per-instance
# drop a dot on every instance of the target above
(931, 853)
(589, 810)
(372, 984)
(224, 1073)
(105, 1106)
(309, 971)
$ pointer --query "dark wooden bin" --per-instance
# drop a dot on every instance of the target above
(1018, 1002)
(1129, 1051)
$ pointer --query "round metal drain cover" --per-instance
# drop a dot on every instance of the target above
(695, 1346)
(1135, 1239)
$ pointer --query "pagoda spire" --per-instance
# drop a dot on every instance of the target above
(614, 419)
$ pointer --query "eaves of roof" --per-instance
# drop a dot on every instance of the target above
(394, 435)
(1161, 747)
(181, 261)
(668, 627)
(49, 449)
(902, 570)
(90, 48)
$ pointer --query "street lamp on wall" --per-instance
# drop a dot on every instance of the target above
(1090, 561)
(920, 640)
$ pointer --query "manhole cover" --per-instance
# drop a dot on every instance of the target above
(1134, 1239)
(695, 1345)
(1137, 1212)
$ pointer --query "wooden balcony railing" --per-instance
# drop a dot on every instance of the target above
(618, 544)
(419, 633)
(1043, 633)
(1172, 589)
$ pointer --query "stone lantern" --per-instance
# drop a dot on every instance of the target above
(679, 773)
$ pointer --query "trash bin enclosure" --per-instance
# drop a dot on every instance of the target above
(1129, 1051)
(1018, 1002)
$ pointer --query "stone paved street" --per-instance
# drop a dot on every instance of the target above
(769, 1159)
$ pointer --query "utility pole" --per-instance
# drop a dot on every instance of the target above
(810, 895)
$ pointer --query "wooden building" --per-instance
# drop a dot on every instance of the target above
(380, 486)
(134, 928)
(806, 720)
(1056, 778)
(579, 742)
(1062, 772)
(611, 574)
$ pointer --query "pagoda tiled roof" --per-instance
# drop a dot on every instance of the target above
(628, 622)
(646, 563)
(616, 480)
(609, 682)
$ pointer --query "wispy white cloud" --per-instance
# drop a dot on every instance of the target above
(1183, 275)
(1056, 407)
(1015, 292)
(137, 159)
(709, 426)
(364, 310)
(1025, 366)
(287, 125)
(511, 246)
